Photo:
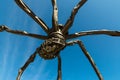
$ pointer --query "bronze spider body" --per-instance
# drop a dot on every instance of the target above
(57, 37)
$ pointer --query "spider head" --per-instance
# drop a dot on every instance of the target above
(51, 47)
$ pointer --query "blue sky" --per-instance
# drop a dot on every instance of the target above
(94, 15)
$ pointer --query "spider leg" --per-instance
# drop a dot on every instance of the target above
(23, 6)
(22, 69)
(55, 15)
(94, 32)
(69, 22)
(5, 28)
(88, 57)
(59, 77)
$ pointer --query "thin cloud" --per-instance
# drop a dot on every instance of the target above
(39, 74)
(12, 60)
(5, 60)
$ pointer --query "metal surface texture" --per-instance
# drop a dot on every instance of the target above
(57, 36)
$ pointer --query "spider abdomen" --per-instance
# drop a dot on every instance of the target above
(52, 46)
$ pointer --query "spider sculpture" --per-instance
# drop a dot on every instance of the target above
(57, 37)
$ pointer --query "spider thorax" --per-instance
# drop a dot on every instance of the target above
(52, 46)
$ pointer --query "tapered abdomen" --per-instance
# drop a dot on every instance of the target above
(52, 46)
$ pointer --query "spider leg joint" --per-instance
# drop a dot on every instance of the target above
(73, 42)
(3, 27)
